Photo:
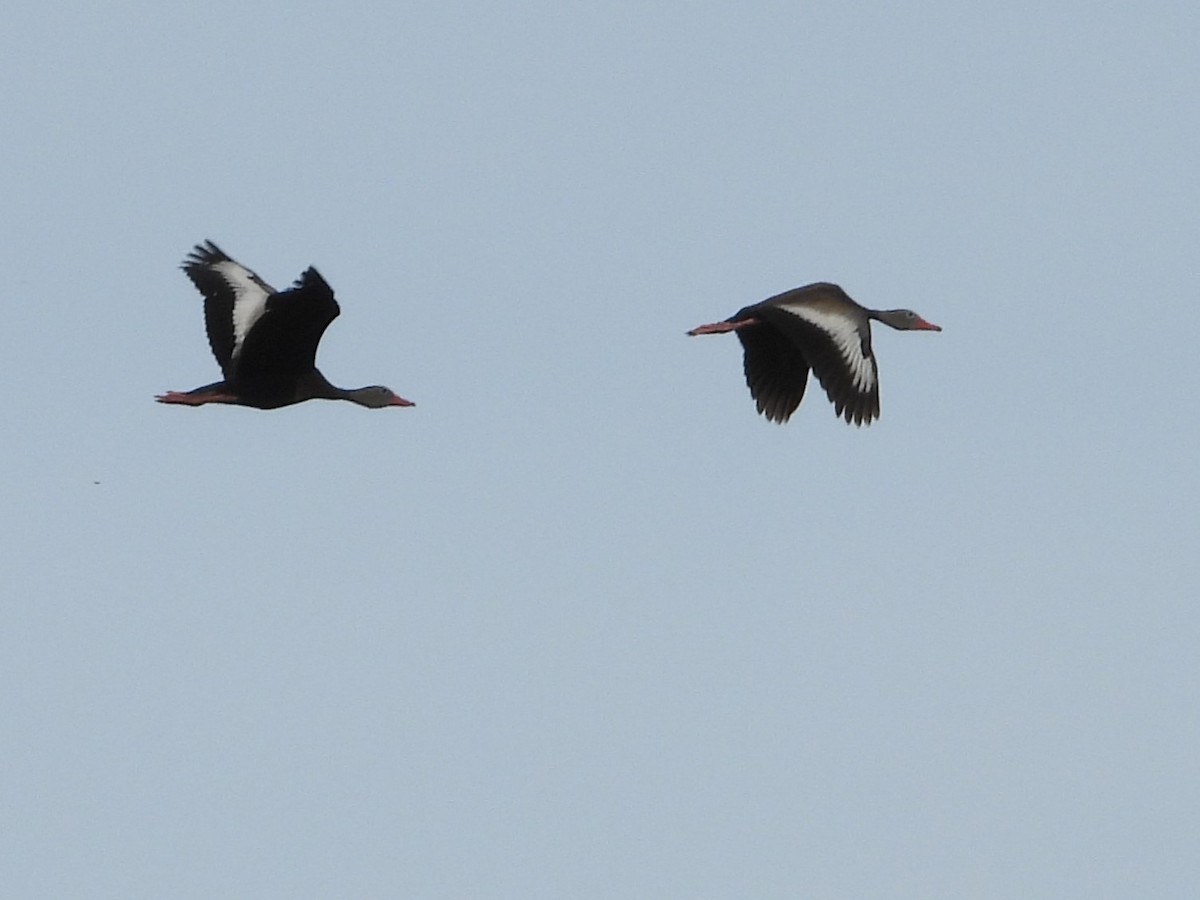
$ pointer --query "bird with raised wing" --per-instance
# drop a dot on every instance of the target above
(266, 340)
(815, 327)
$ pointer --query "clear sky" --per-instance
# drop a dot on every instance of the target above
(582, 624)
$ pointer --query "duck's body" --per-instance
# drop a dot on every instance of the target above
(265, 340)
(815, 327)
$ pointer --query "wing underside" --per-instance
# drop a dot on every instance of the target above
(775, 373)
(839, 353)
(234, 300)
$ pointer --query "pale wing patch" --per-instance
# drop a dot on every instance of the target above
(844, 334)
(249, 299)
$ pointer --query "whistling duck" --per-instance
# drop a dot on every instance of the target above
(814, 327)
(266, 340)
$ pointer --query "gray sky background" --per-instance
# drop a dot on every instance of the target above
(581, 624)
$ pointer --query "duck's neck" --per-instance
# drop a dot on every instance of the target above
(372, 396)
(891, 317)
(317, 386)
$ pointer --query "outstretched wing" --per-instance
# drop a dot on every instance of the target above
(283, 342)
(776, 372)
(234, 300)
(838, 348)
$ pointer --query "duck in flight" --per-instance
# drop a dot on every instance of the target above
(815, 327)
(266, 340)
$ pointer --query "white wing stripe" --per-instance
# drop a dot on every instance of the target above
(249, 299)
(844, 334)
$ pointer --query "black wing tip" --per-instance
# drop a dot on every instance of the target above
(775, 405)
(312, 280)
(855, 413)
(204, 255)
(310, 276)
(778, 416)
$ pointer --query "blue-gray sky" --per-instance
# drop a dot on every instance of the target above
(581, 624)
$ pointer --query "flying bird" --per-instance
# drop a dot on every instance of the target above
(266, 340)
(814, 327)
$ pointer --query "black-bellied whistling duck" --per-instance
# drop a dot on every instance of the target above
(266, 340)
(814, 327)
